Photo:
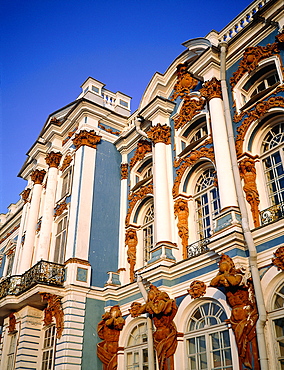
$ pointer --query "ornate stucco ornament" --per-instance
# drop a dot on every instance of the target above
(240, 296)
(143, 147)
(197, 289)
(181, 212)
(53, 309)
(109, 130)
(88, 138)
(109, 329)
(37, 176)
(190, 108)
(66, 162)
(278, 260)
(255, 113)
(25, 195)
(160, 134)
(69, 135)
(248, 175)
(12, 323)
(53, 159)
(252, 56)
(163, 310)
(211, 89)
(185, 82)
(134, 197)
(60, 208)
(184, 163)
(131, 242)
(124, 171)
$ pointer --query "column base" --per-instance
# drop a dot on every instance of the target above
(229, 216)
(163, 251)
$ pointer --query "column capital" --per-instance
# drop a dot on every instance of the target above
(211, 89)
(53, 159)
(88, 138)
(160, 134)
(37, 176)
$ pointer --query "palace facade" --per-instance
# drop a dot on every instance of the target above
(170, 216)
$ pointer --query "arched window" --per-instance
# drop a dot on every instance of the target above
(136, 351)
(207, 339)
(273, 162)
(207, 202)
(148, 232)
(195, 133)
(277, 316)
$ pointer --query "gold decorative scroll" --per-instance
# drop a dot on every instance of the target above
(134, 197)
(88, 138)
(185, 82)
(160, 134)
(143, 147)
(190, 108)
(124, 171)
(211, 89)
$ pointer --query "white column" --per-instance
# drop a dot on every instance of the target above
(160, 136)
(53, 160)
(122, 255)
(82, 195)
(27, 254)
(227, 191)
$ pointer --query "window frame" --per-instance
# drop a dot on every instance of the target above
(51, 349)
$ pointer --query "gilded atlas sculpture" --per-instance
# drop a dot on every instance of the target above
(53, 309)
(248, 175)
(131, 241)
(109, 329)
(240, 296)
(181, 212)
(162, 310)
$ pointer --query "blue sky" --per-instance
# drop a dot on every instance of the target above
(48, 49)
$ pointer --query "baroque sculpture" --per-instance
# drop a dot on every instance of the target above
(197, 289)
(131, 241)
(109, 329)
(143, 147)
(248, 174)
(163, 310)
(12, 323)
(278, 261)
(240, 296)
(185, 82)
(181, 212)
(53, 309)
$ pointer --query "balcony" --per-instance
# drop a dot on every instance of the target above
(46, 273)
(198, 248)
(271, 214)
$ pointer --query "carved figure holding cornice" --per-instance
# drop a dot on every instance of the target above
(53, 159)
(197, 289)
(131, 241)
(211, 89)
(53, 309)
(278, 261)
(248, 174)
(109, 329)
(181, 212)
(163, 310)
(143, 147)
(12, 323)
(160, 134)
(37, 176)
(124, 171)
(240, 296)
(185, 82)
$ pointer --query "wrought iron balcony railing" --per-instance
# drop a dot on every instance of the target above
(43, 272)
(272, 213)
(198, 248)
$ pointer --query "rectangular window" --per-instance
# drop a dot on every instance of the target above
(47, 362)
(11, 352)
(123, 103)
(60, 242)
(66, 183)
(95, 89)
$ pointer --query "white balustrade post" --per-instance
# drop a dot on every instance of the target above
(52, 160)
(212, 92)
(27, 253)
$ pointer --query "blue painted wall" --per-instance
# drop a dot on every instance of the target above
(93, 315)
(104, 238)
